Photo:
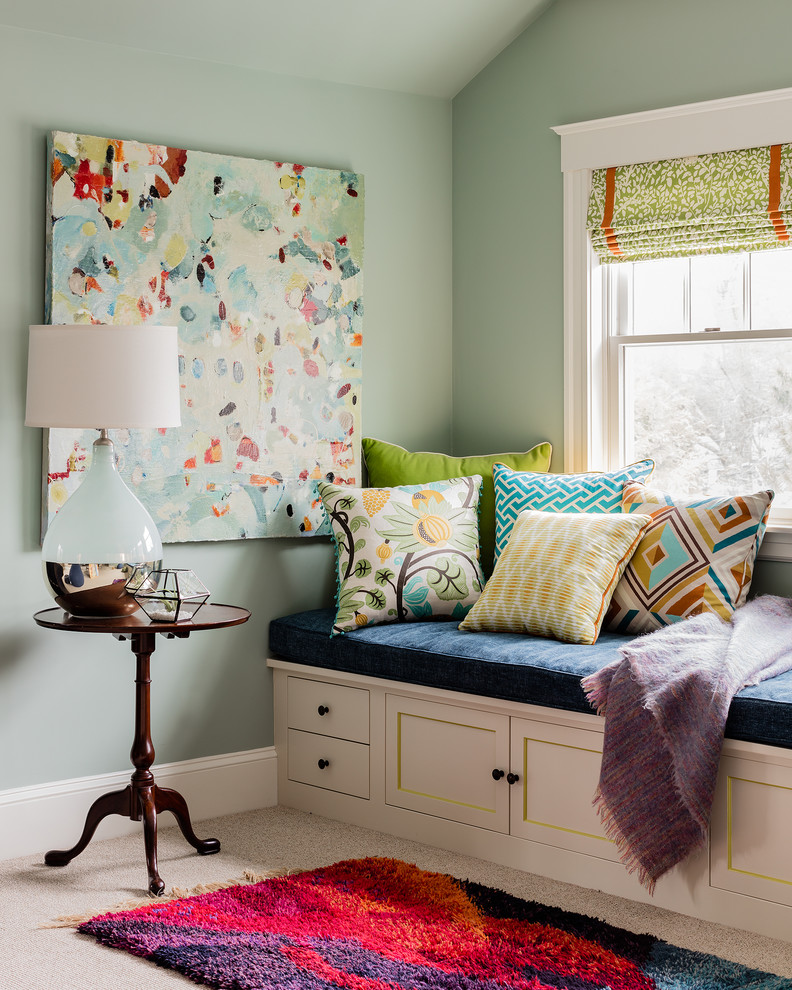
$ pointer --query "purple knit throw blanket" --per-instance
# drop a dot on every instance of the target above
(665, 706)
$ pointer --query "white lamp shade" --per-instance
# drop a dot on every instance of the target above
(103, 377)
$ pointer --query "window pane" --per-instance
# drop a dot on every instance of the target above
(715, 417)
(771, 290)
(716, 292)
(659, 296)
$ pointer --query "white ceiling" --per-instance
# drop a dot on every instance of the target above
(428, 47)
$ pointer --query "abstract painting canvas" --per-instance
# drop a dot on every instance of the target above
(259, 265)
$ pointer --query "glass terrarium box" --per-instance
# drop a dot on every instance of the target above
(172, 595)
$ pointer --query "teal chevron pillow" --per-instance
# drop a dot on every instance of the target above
(595, 491)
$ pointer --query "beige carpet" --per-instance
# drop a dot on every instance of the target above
(275, 839)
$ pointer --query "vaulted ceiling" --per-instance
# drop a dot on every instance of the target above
(427, 47)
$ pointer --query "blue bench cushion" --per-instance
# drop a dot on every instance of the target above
(509, 666)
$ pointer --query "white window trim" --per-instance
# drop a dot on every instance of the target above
(675, 132)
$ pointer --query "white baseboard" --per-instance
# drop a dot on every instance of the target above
(46, 816)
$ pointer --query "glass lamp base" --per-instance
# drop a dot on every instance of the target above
(93, 590)
(102, 521)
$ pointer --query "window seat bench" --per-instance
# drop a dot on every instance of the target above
(485, 743)
(509, 666)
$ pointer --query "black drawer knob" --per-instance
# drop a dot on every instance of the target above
(512, 777)
(323, 709)
(498, 774)
(323, 764)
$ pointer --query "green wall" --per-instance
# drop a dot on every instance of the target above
(580, 60)
(66, 699)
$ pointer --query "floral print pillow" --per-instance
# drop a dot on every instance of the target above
(405, 553)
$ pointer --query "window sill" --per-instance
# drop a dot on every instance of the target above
(777, 544)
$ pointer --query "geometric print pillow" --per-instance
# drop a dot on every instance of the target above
(594, 491)
(696, 556)
(404, 553)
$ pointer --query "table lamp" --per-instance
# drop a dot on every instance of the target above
(101, 377)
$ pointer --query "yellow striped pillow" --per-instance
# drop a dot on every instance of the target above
(557, 574)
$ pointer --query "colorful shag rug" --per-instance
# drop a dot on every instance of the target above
(380, 924)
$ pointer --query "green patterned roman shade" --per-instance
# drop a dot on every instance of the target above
(711, 204)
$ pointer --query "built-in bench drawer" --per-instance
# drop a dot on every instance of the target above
(328, 709)
(335, 764)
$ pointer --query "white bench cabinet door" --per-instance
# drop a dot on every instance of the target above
(559, 769)
(750, 845)
(440, 761)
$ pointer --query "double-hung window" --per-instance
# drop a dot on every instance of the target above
(678, 338)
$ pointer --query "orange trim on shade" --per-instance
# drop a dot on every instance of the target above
(774, 200)
(607, 216)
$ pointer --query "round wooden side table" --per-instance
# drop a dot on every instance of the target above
(141, 799)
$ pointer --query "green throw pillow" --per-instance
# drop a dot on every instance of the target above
(389, 465)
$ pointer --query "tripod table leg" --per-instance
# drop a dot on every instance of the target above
(170, 800)
(149, 814)
(112, 803)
